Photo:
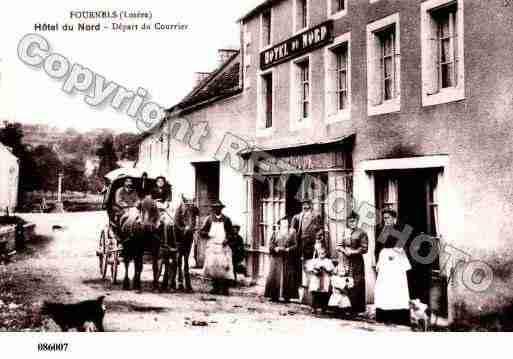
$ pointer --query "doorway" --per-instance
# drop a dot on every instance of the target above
(292, 203)
(411, 193)
(207, 186)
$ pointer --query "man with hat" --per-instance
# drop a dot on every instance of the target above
(218, 255)
(308, 226)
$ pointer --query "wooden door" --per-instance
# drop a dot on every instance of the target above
(207, 186)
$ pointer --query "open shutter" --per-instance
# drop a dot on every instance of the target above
(397, 65)
(331, 93)
(299, 97)
(431, 57)
(455, 52)
(374, 73)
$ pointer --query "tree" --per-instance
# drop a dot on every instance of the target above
(74, 175)
(95, 183)
(47, 168)
(127, 145)
(107, 155)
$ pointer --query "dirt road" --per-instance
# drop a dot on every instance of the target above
(64, 267)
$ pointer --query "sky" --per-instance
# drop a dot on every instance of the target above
(161, 62)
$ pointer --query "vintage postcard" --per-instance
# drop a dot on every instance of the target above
(312, 168)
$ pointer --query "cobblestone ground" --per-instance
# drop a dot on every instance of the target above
(61, 265)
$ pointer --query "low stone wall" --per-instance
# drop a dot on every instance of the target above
(8, 236)
(7, 239)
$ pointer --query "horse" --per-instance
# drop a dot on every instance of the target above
(139, 231)
(185, 218)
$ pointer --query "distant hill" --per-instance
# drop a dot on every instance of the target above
(70, 143)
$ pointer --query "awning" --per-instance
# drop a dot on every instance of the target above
(319, 145)
(324, 155)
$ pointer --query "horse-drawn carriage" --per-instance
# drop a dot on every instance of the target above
(146, 229)
(109, 245)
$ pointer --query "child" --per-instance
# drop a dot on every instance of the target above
(319, 270)
(238, 251)
(341, 283)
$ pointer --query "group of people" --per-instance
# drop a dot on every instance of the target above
(224, 253)
(300, 265)
(301, 268)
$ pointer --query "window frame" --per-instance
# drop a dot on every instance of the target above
(434, 94)
(295, 111)
(375, 68)
(263, 45)
(333, 114)
(336, 14)
(262, 130)
(295, 20)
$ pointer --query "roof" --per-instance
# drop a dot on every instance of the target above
(224, 81)
(264, 5)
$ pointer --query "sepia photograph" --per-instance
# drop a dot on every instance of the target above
(303, 168)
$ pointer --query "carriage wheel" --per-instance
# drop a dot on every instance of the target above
(114, 266)
(102, 256)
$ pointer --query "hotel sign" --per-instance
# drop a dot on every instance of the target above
(295, 46)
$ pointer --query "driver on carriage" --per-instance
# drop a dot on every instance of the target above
(126, 197)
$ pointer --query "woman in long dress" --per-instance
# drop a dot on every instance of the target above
(218, 255)
(282, 280)
(391, 292)
(351, 249)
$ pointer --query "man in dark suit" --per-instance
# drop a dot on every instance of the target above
(309, 229)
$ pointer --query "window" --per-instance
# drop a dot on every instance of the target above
(266, 28)
(383, 66)
(271, 208)
(301, 15)
(304, 90)
(300, 93)
(338, 79)
(337, 7)
(340, 5)
(447, 52)
(265, 103)
(442, 51)
(341, 75)
(387, 63)
(268, 99)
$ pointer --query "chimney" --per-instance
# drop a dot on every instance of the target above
(199, 77)
(224, 54)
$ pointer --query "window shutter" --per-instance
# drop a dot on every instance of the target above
(374, 71)
(299, 97)
(331, 95)
(397, 68)
(456, 52)
(431, 57)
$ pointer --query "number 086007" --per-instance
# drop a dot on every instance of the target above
(52, 347)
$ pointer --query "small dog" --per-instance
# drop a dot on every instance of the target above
(419, 316)
(85, 316)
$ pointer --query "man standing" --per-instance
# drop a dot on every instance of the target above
(308, 226)
(218, 255)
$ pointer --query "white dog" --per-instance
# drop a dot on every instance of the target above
(419, 315)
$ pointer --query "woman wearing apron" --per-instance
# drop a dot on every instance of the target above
(218, 256)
